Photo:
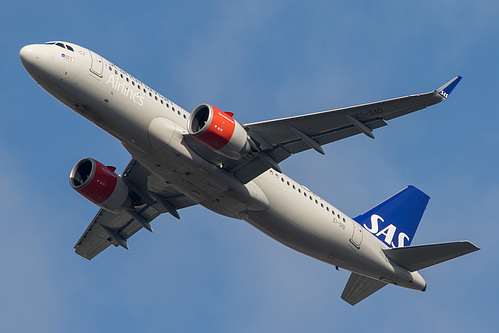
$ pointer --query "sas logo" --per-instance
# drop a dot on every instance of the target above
(444, 94)
(388, 232)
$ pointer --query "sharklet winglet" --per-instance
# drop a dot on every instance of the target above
(447, 88)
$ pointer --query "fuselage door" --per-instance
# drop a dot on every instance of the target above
(97, 65)
(357, 234)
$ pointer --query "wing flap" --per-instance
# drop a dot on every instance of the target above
(99, 234)
(94, 240)
(360, 287)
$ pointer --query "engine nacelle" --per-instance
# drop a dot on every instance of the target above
(218, 131)
(100, 184)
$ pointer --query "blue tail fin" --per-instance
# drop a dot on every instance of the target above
(395, 220)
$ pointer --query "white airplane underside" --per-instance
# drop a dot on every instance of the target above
(208, 158)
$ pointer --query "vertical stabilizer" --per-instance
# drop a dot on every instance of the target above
(395, 220)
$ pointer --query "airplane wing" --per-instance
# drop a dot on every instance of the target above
(153, 197)
(276, 140)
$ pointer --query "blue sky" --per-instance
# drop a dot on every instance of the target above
(260, 59)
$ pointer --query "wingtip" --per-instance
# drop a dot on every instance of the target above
(447, 88)
(472, 246)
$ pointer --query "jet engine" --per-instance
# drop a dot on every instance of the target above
(218, 131)
(100, 184)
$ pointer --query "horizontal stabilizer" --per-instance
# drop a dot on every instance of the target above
(359, 287)
(414, 258)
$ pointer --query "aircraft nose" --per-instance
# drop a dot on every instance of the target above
(36, 59)
(28, 56)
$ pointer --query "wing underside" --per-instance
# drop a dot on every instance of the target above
(275, 140)
(152, 196)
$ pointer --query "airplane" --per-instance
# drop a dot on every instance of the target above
(181, 159)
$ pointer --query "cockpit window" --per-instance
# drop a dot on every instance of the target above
(64, 46)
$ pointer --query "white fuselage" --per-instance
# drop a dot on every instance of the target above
(152, 128)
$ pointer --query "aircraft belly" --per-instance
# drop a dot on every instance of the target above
(200, 180)
(296, 222)
(307, 227)
(96, 102)
(328, 246)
